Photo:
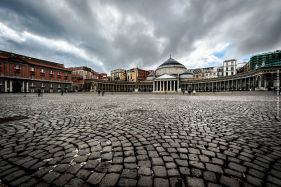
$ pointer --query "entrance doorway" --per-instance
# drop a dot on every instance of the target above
(17, 87)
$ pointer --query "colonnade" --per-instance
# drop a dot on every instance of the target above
(123, 87)
(246, 83)
(165, 85)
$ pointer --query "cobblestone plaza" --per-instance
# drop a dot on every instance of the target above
(222, 139)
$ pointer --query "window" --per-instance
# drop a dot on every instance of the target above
(226, 73)
(17, 66)
(32, 69)
(42, 70)
(231, 73)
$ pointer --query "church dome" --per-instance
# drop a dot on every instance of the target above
(170, 66)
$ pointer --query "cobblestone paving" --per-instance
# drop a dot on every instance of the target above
(139, 140)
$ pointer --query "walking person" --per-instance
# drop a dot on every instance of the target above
(61, 92)
(39, 92)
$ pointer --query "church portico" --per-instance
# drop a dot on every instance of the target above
(165, 83)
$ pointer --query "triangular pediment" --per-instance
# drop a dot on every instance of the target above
(166, 76)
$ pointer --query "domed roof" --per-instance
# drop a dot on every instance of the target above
(170, 62)
(171, 67)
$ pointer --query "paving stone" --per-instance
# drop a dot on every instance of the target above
(274, 180)
(208, 153)
(181, 162)
(210, 176)
(255, 181)
(110, 179)
(51, 176)
(184, 170)
(73, 169)
(159, 171)
(75, 182)
(197, 164)
(227, 181)
(127, 182)
(157, 162)
(145, 181)
(237, 167)
(129, 173)
(173, 172)
(193, 181)
(214, 168)
(63, 179)
(95, 178)
(115, 168)
(83, 174)
(196, 172)
(210, 184)
(160, 182)
(62, 168)
(91, 164)
(19, 181)
(144, 171)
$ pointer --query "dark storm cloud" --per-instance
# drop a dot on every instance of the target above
(123, 33)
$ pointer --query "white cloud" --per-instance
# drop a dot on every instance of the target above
(203, 53)
(56, 45)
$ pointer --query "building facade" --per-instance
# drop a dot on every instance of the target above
(229, 67)
(136, 74)
(118, 75)
(205, 73)
(20, 73)
(265, 59)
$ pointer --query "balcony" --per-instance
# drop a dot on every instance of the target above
(17, 69)
(32, 71)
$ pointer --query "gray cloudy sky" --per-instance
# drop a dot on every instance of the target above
(143, 33)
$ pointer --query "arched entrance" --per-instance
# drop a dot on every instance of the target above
(17, 87)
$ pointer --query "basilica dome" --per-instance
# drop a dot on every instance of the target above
(170, 66)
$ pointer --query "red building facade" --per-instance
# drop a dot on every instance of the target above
(20, 73)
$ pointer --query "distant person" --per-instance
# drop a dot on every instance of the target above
(189, 92)
(62, 92)
(102, 93)
(194, 92)
(39, 92)
(25, 91)
(182, 91)
(99, 92)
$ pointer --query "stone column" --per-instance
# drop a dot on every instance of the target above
(6, 86)
(11, 86)
(153, 85)
(160, 85)
(260, 82)
(157, 86)
(22, 88)
(166, 85)
(27, 87)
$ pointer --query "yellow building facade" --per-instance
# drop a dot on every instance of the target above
(118, 75)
